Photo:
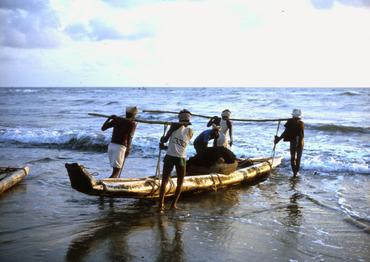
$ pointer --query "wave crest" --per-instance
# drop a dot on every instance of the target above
(350, 93)
(67, 139)
(342, 129)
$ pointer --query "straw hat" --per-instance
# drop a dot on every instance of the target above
(296, 113)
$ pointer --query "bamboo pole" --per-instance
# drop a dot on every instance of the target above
(232, 119)
(142, 120)
(158, 170)
(172, 112)
(273, 150)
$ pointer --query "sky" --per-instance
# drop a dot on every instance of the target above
(185, 43)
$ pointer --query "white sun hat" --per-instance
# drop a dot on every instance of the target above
(184, 115)
(297, 112)
(226, 113)
(132, 109)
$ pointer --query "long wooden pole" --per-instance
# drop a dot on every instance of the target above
(273, 150)
(233, 119)
(142, 120)
(171, 112)
(158, 170)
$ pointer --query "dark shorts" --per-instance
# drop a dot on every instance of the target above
(171, 161)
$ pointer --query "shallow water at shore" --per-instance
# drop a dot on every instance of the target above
(280, 219)
(323, 215)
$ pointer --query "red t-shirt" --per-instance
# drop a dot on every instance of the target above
(123, 131)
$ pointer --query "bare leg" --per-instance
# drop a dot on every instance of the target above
(180, 170)
(167, 168)
(116, 172)
(293, 161)
(165, 178)
(298, 159)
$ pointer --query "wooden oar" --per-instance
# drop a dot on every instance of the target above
(158, 170)
(233, 119)
(142, 120)
(273, 150)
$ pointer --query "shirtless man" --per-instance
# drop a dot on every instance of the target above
(120, 145)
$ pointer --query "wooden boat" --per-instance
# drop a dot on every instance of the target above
(11, 176)
(148, 187)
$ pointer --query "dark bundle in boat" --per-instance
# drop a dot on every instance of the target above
(212, 160)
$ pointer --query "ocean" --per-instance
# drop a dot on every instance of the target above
(323, 215)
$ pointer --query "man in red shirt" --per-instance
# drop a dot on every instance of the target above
(120, 145)
(294, 133)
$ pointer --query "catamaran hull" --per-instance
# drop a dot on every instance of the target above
(11, 177)
(148, 187)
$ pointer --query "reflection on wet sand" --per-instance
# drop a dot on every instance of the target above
(138, 231)
(294, 212)
(292, 222)
(109, 237)
(170, 250)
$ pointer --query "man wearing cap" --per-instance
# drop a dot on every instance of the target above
(120, 145)
(178, 137)
(294, 133)
(201, 142)
(226, 128)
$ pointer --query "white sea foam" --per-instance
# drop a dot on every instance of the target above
(321, 243)
(42, 136)
(330, 164)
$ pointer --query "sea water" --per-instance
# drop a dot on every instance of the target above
(324, 214)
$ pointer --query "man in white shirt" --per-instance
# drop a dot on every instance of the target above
(178, 138)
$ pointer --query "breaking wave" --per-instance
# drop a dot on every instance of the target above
(73, 139)
(340, 128)
(67, 139)
(332, 165)
(350, 93)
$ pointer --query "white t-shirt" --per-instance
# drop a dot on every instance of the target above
(178, 141)
(224, 127)
(222, 140)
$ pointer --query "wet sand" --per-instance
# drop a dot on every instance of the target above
(280, 219)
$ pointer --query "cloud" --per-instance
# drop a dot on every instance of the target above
(29, 5)
(28, 24)
(101, 31)
(129, 3)
(326, 4)
(97, 30)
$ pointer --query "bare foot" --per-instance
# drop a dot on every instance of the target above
(161, 209)
(174, 207)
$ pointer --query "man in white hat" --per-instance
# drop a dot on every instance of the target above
(294, 133)
(201, 141)
(226, 128)
(178, 137)
(120, 145)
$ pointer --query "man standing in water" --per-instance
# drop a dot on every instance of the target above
(120, 145)
(226, 128)
(178, 136)
(294, 133)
